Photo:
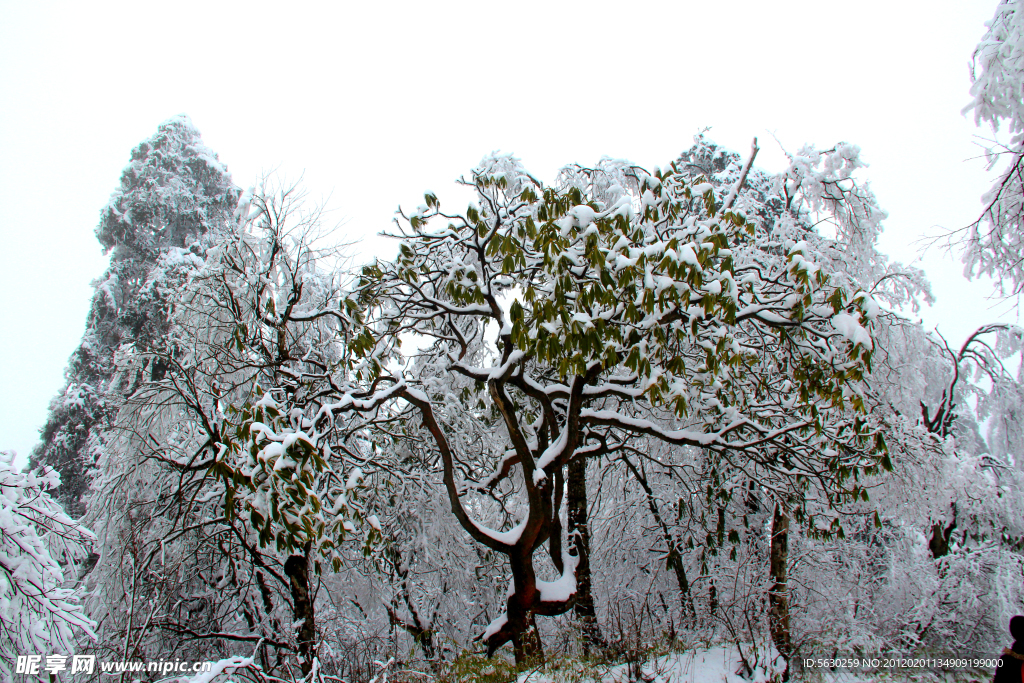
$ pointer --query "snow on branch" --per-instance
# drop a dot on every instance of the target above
(39, 612)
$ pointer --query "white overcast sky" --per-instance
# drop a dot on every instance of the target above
(375, 102)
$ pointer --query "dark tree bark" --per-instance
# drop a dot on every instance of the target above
(778, 594)
(296, 568)
(540, 526)
(939, 542)
(579, 530)
(423, 635)
(526, 643)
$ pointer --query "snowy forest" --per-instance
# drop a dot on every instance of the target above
(571, 430)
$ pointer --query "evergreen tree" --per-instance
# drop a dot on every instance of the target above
(172, 193)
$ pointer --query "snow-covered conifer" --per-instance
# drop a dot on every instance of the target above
(171, 194)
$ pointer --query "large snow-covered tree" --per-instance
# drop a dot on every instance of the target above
(619, 374)
(568, 322)
(171, 194)
(819, 188)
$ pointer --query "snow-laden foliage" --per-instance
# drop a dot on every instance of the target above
(938, 570)
(819, 200)
(39, 546)
(626, 306)
(217, 498)
(998, 70)
(261, 314)
(173, 192)
(933, 571)
(440, 584)
(994, 244)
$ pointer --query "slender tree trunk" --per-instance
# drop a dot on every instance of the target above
(576, 502)
(675, 557)
(421, 632)
(778, 595)
(275, 623)
(422, 635)
(675, 563)
(296, 568)
(675, 560)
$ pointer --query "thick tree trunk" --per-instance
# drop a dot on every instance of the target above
(579, 530)
(540, 525)
(296, 568)
(778, 595)
(939, 543)
(522, 623)
(526, 643)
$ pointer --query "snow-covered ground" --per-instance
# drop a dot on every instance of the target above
(722, 664)
(713, 665)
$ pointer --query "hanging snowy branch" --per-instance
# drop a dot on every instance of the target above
(39, 613)
(993, 245)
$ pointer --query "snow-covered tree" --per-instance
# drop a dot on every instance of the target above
(216, 501)
(39, 547)
(819, 201)
(946, 511)
(625, 305)
(994, 244)
(171, 194)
